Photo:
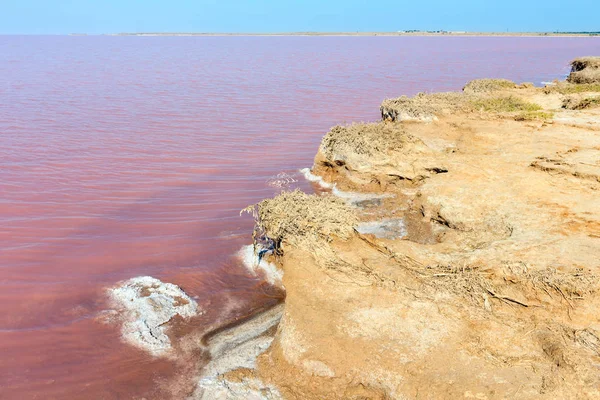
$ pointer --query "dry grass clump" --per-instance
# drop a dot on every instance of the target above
(585, 70)
(482, 285)
(570, 88)
(585, 76)
(578, 103)
(469, 282)
(365, 139)
(581, 63)
(422, 107)
(305, 221)
(488, 85)
(534, 116)
(476, 97)
(504, 104)
(570, 286)
(526, 85)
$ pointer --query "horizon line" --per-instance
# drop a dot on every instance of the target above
(413, 32)
(327, 33)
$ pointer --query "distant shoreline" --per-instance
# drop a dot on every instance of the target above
(402, 33)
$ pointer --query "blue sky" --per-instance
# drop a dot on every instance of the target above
(111, 16)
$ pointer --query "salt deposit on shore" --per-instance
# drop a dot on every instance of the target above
(234, 348)
(388, 228)
(350, 197)
(315, 178)
(272, 274)
(147, 305)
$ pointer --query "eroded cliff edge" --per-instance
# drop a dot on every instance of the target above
(488, 288)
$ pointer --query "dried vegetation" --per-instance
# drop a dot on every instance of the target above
(579, 103)
(504, 104)
(488, 85)
(571, 88)
(585, 70)
(581, 63)
(534, 116)
(585, 76)
(422, 107)
(478, 95)
(513, 284)
(366, 139)
(305, 221)
(480, 284)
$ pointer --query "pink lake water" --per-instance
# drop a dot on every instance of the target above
(128, 156)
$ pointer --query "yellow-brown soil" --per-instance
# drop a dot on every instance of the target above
(492, 292)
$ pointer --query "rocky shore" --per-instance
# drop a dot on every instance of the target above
(457, 256)
(487, 289)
